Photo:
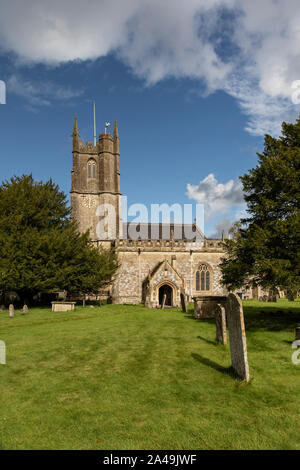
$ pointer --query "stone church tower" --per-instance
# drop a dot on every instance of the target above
(96, 185)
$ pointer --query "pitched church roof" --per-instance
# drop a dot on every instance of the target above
(161, 231)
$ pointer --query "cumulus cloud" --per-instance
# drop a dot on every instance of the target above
(248, 49)
(217, 198)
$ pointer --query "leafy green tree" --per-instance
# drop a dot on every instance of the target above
(41, 249)
(266, 249)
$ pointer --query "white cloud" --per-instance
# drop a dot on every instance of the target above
(217, 198)
(252, 52)
(223, 224)
(39, 93)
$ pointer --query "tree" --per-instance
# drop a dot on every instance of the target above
(266, 249)
(41, 249)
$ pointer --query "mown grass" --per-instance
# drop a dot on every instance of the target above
(126, 377)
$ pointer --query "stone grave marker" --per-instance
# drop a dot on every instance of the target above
(25, 309)
(221, 334)
(11, 310)
(237, 336)
(2, 352)
(183, 303)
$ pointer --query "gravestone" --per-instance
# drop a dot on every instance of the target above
(163, 301)
(237, 336)
(25, 309)
(205, 305)
(2, 352)
(62, 306)
(11, 310)
(183, 303)
(297, 333)
(220, 315)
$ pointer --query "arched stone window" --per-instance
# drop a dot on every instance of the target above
(91, 169)
(203, 278)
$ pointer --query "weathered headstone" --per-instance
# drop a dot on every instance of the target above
(2, 307)
(205, 305)
(221, 334)
(25, 309)
(2, 352)
(163, 301)
(273, 298)
(297, 333)
(237, 336)
(11, 310)
(183, 303)
(62, 306)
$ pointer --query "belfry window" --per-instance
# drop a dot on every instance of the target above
(203, 278)
(91, 169)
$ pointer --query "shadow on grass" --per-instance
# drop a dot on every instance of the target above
(207, 362)
(190, 316)
(207, 340)
(263, 316)
(272, 318)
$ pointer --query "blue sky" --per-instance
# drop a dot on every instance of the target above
(191, 112)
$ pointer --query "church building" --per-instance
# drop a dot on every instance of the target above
(153, 266)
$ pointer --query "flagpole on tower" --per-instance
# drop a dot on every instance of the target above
(95, 138)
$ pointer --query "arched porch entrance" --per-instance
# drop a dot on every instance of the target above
(166, 290)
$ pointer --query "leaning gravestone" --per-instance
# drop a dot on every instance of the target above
(221, 334)
(11, 310)
(25, 309)
(183, 303)
(237, 336)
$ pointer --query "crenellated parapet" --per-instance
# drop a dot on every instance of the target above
(169, 245)
(213, 243)
(88, 147)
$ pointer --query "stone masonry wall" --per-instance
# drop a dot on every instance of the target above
(135, 267)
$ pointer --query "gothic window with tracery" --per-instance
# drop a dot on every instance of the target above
(91, 169)
(203, 278)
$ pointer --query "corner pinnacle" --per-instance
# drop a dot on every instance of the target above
(75, 134)
(116, 134)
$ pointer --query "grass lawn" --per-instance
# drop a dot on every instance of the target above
(126, 377)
